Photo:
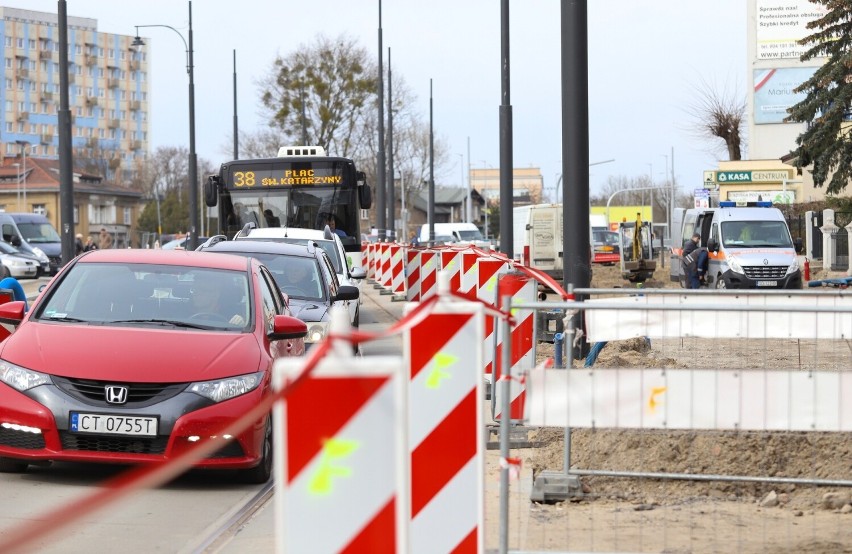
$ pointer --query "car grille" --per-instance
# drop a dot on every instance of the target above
(129, 445)
(765, 271)
(21, 439)
(139, 395)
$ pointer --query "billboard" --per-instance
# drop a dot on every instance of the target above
(773, 92)
(781, 24)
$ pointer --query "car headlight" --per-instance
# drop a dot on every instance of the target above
(225, 389)
(21, 378)
(735, 266)
(39, 253)
(15, 263)
(794, 267)
(316, 331)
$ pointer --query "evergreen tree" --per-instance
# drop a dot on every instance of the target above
(826, 144)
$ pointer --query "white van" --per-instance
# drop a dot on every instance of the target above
(33, 234)
(749, 246)
(453, 232)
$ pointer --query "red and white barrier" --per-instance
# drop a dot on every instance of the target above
(340, 455)
(445, 428)
(488, 270)
(451, 263)
(428, 274)
(397, 269)
(412, 274)
(523, 288)
(385, 263)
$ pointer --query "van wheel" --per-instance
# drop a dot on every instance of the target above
(720, 283)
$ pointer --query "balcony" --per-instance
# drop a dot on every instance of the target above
(22, 73)
(46, 96)
(91, 142)
(91, 100)
(45, 54)
(136, 145)
(135, 105)
(114, 163)
(46, 139)
(113, 83)
(90, 59)
(23, 116)
(114, 123)
(133, 65)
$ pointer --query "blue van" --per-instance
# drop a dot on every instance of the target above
(35, 234)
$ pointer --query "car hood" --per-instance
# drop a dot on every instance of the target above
(308, 310)
(762, 256)
(131, 354)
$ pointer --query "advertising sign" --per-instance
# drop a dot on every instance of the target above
(781, 24)
(773, 92)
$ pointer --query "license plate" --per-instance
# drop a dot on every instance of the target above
(112, 424)
(767, 283)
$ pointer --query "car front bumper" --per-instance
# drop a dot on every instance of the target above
(739, 281)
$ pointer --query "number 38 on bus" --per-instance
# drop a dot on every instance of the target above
(302, 187)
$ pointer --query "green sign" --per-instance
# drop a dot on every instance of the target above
(733, 176)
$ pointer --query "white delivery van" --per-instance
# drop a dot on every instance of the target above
(454, 232)
(749, 246)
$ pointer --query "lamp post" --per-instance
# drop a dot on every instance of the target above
(24, 144)
(192, 240)
(18, 187)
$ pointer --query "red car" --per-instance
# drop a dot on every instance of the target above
(132, 356)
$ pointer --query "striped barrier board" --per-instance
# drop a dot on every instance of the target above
(339, 456)
(521, 288)
(445, 433)
(385, 262)
(397, 269)
(488, 271)
(428, 273)
(451, 263)
(412, 274)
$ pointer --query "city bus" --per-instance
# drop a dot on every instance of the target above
(303, 187)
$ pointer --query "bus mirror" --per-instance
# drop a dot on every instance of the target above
(211, 191)
(365, 194)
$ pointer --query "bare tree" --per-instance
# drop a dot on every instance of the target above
(719, 116)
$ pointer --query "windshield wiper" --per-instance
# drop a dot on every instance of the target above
(166, 322)
(66, 318)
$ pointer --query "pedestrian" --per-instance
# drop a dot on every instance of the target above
(689, 261)
(105, 241)
(78, 244)
(90, 244)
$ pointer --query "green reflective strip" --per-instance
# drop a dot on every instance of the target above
(438, 372)
(334, 450)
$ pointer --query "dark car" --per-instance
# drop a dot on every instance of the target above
(134, 356)
(312, 297)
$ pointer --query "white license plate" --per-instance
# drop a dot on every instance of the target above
(111, 424)
(767, 283)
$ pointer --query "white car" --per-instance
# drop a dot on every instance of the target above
(329, 242)
(17, 264)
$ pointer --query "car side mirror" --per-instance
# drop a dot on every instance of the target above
(16, 241)
(288, 327)
(357, 273)
(347, 292)
(798, 245)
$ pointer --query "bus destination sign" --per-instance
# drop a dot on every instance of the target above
(285, 177)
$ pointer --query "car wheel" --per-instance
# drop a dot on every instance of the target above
(11, 465)
(355, 321)
(261, 473)
(720, 283)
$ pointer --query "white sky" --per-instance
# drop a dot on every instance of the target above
(645, 61)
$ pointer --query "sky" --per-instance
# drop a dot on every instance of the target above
(646, 61)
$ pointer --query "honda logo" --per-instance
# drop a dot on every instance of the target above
(115, 394)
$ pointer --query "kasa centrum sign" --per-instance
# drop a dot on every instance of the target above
(759, 176)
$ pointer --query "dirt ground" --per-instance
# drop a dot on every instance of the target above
(620, 514)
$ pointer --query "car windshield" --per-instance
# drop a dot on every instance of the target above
(470, 235)
(297, 276)
(329, 246)
(166, 295)
(38, 232)
(755, 234)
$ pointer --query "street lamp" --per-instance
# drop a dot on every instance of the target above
(23, 144)
(18, 188)
(192, 240)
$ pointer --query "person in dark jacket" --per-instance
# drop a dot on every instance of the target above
(689, 260)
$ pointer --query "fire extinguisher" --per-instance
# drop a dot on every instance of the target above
(807, 270)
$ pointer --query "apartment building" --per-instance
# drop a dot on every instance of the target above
(108, 93)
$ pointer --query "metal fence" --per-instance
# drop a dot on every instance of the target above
(702, 421)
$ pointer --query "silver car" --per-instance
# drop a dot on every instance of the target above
(17, 264)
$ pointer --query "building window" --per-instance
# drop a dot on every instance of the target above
(40, 209)
(127, 216)
(76, 214)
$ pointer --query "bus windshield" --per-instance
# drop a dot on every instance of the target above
(308, 192)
